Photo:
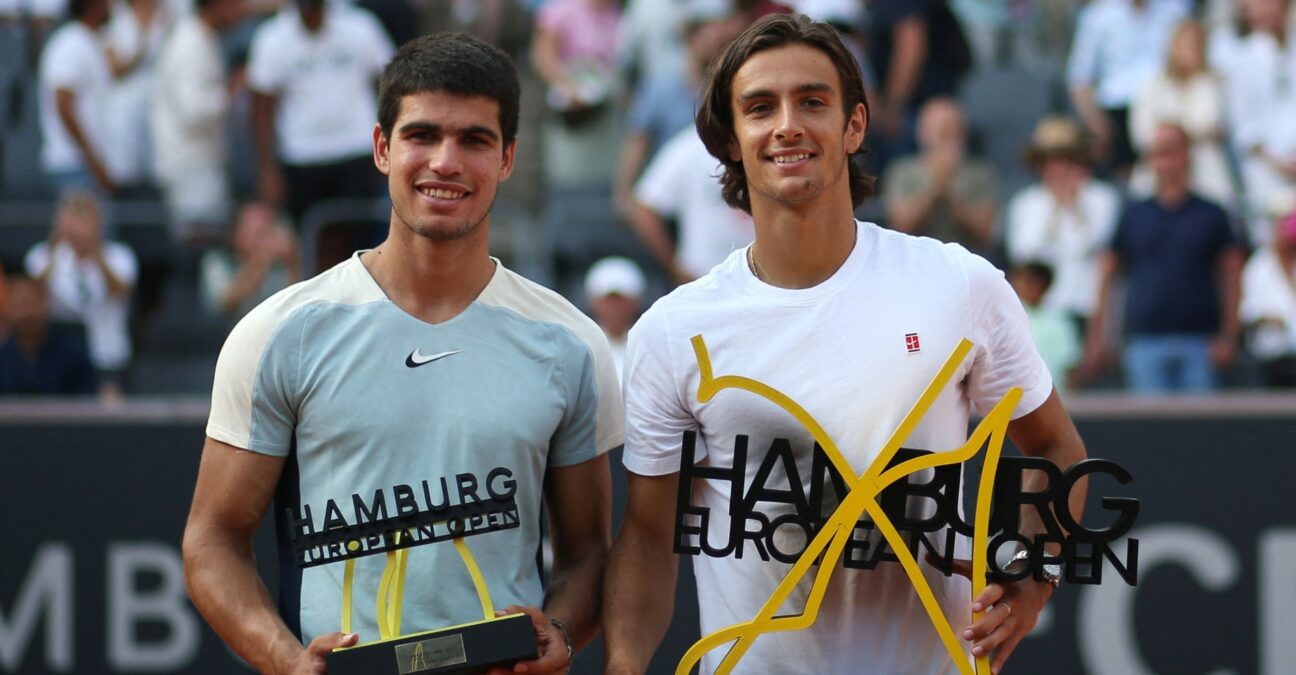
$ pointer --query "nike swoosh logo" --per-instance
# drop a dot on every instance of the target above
(416, 358)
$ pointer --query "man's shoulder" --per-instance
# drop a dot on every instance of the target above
(530, 301)
(342, 285)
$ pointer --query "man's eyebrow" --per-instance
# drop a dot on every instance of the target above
(808, 87)
(473, 130)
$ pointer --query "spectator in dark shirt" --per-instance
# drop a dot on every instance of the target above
(39, 358)
(1182, 263)
(918, 52)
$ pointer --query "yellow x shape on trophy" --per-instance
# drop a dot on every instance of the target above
(864, 489)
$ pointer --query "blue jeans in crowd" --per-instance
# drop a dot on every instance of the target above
(1159, 364)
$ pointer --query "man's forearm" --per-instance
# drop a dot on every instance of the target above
(573, 596)
(638, 604)
(223, 583)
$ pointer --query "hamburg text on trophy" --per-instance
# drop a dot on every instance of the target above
(392, 520)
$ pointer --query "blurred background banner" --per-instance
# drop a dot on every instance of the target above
(92, 507)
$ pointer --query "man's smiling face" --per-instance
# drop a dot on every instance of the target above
(790, 131)
(444, 162)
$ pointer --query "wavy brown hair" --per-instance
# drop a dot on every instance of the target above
(715, 114)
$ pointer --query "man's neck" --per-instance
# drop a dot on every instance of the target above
(1172, 195)
(433, 281)
(797, 248)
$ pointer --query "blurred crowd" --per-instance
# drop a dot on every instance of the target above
(1130, 164)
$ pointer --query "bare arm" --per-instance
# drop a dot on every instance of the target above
(1045, 432)
(263, 129)
(653, 232)
(1095, 120)
(634, 153)
(641, 575)
(579, 499)
(65, 103)
(1095, 337)
(909, 54)
(544, 54)
(117, 287)
(1224, 349)
(233, 492)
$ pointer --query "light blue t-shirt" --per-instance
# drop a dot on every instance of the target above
(361, 397)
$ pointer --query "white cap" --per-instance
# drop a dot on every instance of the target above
(614, 275)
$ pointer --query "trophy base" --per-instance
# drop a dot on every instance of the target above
(465, 649)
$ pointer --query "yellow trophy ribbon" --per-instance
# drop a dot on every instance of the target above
(832, 537)
(391, 589)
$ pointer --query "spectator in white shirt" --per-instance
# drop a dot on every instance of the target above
(1065, 219)
(134, 37)
(74, 81)
(313, 71)
(1119, 45)
(190, 107)
(1268, 308)
(90, 281)
(1262, 101)
(1189, 95)
(681, 183)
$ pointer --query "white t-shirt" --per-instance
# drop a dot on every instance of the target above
(325, 82)
(129, 98)
(191, 100)
(1069, 240)
(74, 59)
(79, 292)
(842, 350)
(1267, 294)
(682, 182)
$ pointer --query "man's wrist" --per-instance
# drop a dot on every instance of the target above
(567, 638)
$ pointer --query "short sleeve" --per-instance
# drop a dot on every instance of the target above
(1082, 65)
(660, 186)
(656, 416)
(121, 260)
(1004, 351)
(254, 397)
(37, 259)
(264, 71)
(63, 66)
(592, 423)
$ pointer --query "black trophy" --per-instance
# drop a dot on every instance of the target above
(465, 648)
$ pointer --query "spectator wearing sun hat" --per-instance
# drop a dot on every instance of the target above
(1065, 218)
(614, 289)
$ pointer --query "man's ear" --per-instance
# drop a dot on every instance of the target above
(735, 152)
(506, 166)
(380, 149)
(856, 125)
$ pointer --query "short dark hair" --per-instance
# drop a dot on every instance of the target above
(715, 114)
(1038, 270)
(454, 63)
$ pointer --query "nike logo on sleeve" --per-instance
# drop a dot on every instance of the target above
(417, 358)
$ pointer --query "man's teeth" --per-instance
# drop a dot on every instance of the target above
(788, 159)
(443, 194)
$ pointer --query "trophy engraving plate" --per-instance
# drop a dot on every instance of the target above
(425, 655)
